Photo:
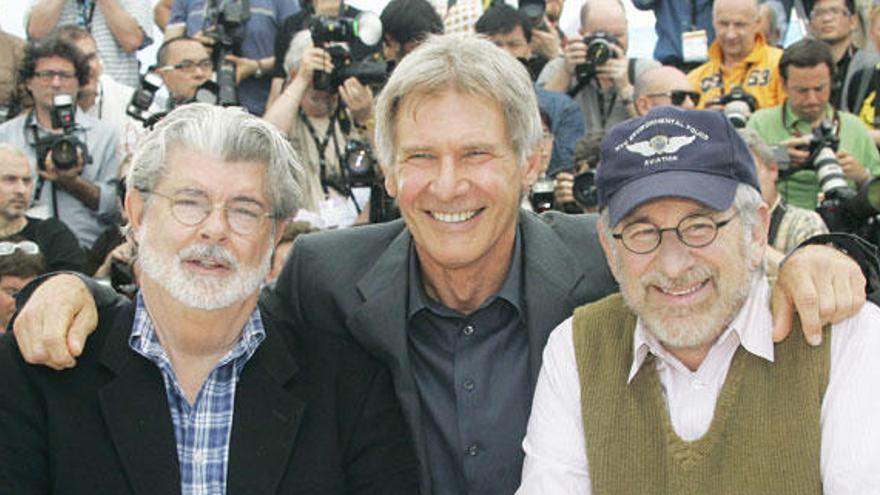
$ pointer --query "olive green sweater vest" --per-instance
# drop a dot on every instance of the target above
(764, 437)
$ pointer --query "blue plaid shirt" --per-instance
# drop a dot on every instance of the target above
(202, 429)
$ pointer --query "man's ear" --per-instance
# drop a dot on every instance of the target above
(532, 168)
(135, 205)
(391, 184)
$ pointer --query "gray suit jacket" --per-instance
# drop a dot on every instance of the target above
(355, 281)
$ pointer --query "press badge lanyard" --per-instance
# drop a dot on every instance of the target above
(321, 145)
(29, 123)
(742, 80)
(605, 112)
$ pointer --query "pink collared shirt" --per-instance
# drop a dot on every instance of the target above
(556, 457)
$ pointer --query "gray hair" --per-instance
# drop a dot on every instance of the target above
(15, 151)
(230, 134)
(301, 42)
(468, 64)
(759, 147)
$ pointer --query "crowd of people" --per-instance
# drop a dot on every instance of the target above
(439, 260)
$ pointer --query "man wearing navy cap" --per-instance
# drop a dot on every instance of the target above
(674, 385)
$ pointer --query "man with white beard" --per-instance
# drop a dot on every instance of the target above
(192, 388)
(675, 385)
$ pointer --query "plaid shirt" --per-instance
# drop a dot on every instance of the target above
(202, 430)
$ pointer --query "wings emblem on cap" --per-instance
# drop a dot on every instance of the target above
(660, 144)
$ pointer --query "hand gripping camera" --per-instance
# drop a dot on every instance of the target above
(331, 33)
(600, 49)
(65, 147)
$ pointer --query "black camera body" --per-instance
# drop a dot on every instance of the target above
(739, 105)
(226, 23)
(361, 169)
(600, 49)
(65, 147)
(332, 34)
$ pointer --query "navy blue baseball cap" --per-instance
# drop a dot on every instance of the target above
(672, 152)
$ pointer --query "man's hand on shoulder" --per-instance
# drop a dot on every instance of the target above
(820, 283)
(52, 327)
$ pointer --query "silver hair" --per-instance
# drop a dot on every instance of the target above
(747, 202)
(468, 64)
(15, 151)
(229, 134)
(301, 42)
(756, 143)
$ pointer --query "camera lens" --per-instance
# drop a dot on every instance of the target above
(64, 154)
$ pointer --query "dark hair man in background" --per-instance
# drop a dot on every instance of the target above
(510, 30)
(807, 70)
(20, 262)
(405, 25)
(84, 196)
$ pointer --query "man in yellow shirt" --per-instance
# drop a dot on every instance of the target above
(739, 57)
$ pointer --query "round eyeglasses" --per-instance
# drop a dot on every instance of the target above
(191, 208)
(694, 231)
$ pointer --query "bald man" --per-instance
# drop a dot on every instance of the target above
(664, 85)
(739, 57)
(604, 92)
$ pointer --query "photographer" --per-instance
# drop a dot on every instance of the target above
(807, 68)
(254, 58)
(12, 98)
(510, 30)
(82, 193)
(319, 129)
(405, 25)
(594, 70)
(120, 28)
(738, 58)
(184, 65)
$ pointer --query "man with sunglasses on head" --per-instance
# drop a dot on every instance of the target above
(20, 262)
(57, 243)
(83, 196)
(678, 374)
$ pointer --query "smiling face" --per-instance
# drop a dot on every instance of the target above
(207, 265)
(686, 296)
(456, 179)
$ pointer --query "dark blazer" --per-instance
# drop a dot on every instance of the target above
(314, 414)
(354, 282)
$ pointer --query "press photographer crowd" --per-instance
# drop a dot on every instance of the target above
(438, 262)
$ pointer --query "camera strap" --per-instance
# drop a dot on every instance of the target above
(321, 144)
(776, 220)
(797, 132)
(605, 112)
(86, 13)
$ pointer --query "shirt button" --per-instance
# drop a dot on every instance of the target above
(199, 457)
(469, 385)
(468, 330)
(472, 450)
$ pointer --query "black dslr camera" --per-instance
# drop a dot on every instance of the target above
(225, 22)
(331, 33)
(738, 106)
(65, 147)
(361, 169)
(600, 49)
(843, 208)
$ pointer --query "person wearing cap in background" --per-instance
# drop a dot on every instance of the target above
(678, 374)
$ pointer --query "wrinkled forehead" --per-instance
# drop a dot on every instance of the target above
(666, 211)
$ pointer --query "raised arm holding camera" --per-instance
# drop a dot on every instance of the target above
(594, 70)
(76, 156)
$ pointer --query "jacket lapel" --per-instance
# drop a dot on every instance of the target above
(549, 285)
(136, 411)
(380, 324)
(267, 418)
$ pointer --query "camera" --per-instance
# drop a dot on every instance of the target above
(225, 23)
(584, 190)
(361, 169)
(599, 50)
(738, 106)
(843, 209)
(541, 194)
(332, 34)
(533, 11)
(65, 147)
(142, 99)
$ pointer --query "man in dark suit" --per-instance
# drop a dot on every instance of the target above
(459, 297)
(191, 388)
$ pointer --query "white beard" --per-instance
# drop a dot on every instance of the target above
(199, 291)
